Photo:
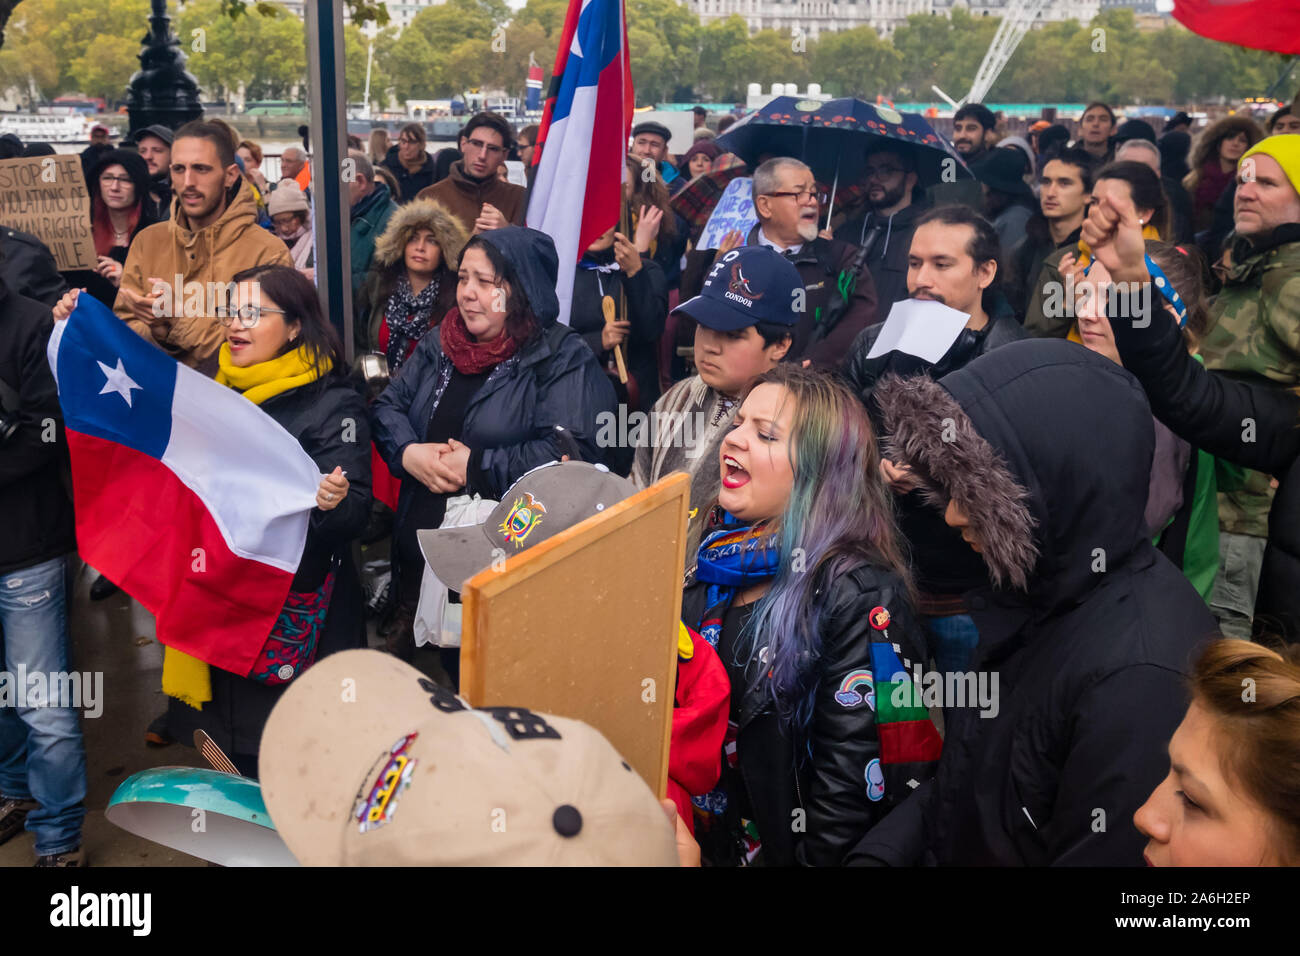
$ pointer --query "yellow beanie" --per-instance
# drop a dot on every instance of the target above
(1284, 148)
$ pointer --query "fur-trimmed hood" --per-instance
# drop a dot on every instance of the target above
(421, 214)
(1046, 446)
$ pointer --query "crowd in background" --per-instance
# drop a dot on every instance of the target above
(1082, 496)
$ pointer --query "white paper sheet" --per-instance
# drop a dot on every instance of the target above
(919, 327)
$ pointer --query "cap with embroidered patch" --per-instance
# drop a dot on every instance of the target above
(366, 762)
(545, 501)
(746, 286)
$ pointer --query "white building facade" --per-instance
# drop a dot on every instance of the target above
(814, 16)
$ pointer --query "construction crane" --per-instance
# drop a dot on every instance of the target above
(1017, 18)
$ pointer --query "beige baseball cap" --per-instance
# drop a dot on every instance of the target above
(367, 762)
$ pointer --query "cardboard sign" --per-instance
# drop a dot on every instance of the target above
(47, 196)
(735, 210)
(585, 623)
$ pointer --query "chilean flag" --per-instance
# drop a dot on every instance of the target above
(1259, 24)
(188, 495)
(582, 145)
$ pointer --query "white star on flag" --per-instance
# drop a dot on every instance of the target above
(117, 381)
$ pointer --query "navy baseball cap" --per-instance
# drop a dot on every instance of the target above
(746, 286)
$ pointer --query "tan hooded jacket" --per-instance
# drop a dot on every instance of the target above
(214, 254)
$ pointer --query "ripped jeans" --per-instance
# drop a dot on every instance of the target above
(42, 755)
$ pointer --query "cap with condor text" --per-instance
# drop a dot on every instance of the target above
(367, 762)
(746, 286)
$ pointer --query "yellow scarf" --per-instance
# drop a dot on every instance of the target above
(184, 677)
(1085, 257)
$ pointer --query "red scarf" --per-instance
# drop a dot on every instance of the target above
(470, 357)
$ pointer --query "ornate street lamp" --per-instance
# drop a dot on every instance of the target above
(162, 91)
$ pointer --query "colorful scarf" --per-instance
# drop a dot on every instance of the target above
(408, 317)
(184, 677)
(471, 357)
(730, 560)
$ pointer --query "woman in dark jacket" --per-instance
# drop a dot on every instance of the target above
(634, 283)
(120, 206)
(476, 405)
(1252, 425)
(801, 587)
(327, 416)
(412, 281)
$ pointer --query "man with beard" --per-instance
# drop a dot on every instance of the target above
(154, 144)
(213, 235)
(970, 126)
(839, 298)
(884, 229)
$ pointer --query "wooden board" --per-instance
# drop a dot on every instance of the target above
(584, 625)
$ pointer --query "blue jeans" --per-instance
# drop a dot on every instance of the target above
(42, 755)
(953, 641)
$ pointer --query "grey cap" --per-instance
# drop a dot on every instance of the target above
(547, 500)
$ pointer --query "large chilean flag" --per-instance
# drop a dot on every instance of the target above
(188, 495)
(1259, 24)
(582, 145)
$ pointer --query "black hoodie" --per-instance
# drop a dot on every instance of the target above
(888, 239)
(138, 170)
(1089, 629)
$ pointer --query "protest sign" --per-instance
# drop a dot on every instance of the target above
(47, 196)
(735, 210)
(585, 624)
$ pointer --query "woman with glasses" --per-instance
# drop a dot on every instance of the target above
(120, 206)
(410, 163)
(472, 192)
(284, 356)
(477, 404)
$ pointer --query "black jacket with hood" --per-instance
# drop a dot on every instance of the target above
(1089, 629)
(510, 422)
(944, 566)
(94, 283)
(33, 498)
(888, 240)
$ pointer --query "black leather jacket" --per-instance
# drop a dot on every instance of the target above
(823, 773)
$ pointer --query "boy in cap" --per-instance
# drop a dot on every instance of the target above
(745, 317)
(563, 494)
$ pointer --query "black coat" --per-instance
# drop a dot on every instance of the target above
(28, 268)
(1211, 411)
(647, 308)
(1090, 634)
(510, 421)
(409, 183)
(37, 511)
(328, 418)
(829, 785)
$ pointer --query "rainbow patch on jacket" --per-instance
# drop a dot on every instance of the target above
(906, 733)
(376, 806)
(522, 519)
(856, 689)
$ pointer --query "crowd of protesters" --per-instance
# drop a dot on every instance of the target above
(1086, 496)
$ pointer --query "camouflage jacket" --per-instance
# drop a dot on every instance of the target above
(1256, 334)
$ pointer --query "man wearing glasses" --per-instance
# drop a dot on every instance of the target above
(411, 166)
(884, 227)
(839, 296)
(472, 192)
